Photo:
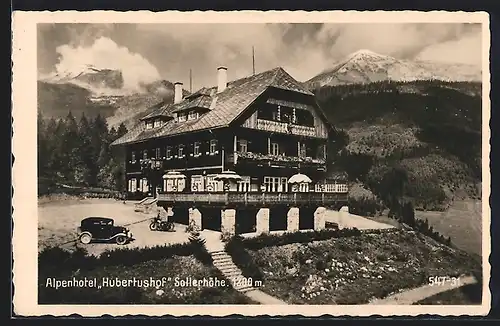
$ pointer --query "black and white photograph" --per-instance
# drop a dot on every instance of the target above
(260, 164)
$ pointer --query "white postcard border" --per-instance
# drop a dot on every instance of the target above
(24, 173)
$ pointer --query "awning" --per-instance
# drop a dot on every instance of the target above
(227, 176)
(173, 175)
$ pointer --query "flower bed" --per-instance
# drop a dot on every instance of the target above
(279, 158)
(352, 270)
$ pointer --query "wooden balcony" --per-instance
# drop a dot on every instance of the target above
(285, 128)
(259, 199)
(276, 160)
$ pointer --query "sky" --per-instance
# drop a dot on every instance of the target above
(148, 52)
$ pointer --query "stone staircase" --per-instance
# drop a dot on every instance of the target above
(146, 205)
(223, 262)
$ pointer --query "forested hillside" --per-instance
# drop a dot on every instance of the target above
(417, 141)
(75, 152)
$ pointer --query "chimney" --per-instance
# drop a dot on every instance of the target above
(221, 79)
(177, 92)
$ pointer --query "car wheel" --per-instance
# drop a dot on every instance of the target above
(121, 239)
(85, 238)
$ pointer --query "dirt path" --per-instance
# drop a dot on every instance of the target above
(263, 298)
(354, 221)
(414, 295)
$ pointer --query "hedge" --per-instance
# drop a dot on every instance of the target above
(57, 261)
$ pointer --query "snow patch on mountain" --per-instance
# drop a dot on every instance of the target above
(366, 66)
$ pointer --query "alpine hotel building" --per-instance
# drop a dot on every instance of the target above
(266, 129)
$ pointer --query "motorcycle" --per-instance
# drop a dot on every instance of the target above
(158, 225)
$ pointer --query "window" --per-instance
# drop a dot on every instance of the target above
(330, 187)
(304, 118)
(303, 187)
(196, 148)
(133, 156)
(132, 185)
(213, 146)
(335, 187)
(182, 117)
(181, 151)
(168, 152)
(145, 154)
(275, 149)
(283, 187)
(149, 124)
(320, 187)
(157, 153)
(181, 184)
(143, 185)
(266, 113)
(342, 188)
(243, 145)
(244, 184)
(197, 183)
(213, 185)
(321, 152)
(276, 184)
(302, 150)
(277, 114)
(193, 115)
(286, 114)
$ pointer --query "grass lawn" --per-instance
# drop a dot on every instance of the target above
(465, 295)
(353, 270)
(182, 267)
(462, 222)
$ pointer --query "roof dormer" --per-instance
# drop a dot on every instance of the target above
(156, 122)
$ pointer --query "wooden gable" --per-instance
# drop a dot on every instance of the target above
(317, 129)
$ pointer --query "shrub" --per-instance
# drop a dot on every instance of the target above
(269, 240)
(236, 249)
(423, 227)
(199, 249)
(56, 261)
(225, 236)
(408, 214)
(365, 206)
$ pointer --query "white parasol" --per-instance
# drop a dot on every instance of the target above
(299, 178)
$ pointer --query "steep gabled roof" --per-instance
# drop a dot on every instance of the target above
(222, 107)
(201, 101)
(161, 110)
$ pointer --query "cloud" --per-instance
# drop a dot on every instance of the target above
(104, 53)
(146, 51)
(465, 50)
(401, 40)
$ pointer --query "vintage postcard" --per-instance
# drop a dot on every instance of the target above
(252, 163)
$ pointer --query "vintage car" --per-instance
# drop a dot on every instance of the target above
(102, 229)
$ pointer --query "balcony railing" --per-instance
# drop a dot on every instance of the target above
(151, 164)
(277, 158)
(286, 128)
(252, 198)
